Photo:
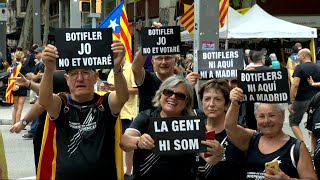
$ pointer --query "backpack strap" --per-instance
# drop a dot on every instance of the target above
(295, 153)
(65, 101)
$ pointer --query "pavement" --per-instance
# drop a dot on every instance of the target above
(6, 112)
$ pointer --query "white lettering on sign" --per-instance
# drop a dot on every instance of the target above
(163, 127)
(220, 55)
(63, 62)
(96, 61)
(173, 49)
(272, 97)
(186, 144)
(185, 125)
(164, 145)
(84, 36)
(266, 76)
(155, 31)
(225, 73)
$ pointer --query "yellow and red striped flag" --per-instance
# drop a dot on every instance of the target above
(14, 72)
(119, 23)
(223, 11)
(187, 19)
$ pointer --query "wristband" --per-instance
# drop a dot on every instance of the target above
(120, 71)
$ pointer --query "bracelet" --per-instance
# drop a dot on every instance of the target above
(137, 144)
(120, 71)
(29, 84)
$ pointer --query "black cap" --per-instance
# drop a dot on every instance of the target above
(39, 49)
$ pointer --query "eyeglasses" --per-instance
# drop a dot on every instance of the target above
(165, 58)
(178, 95)
(85, 74)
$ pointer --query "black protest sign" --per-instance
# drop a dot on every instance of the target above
(84, 48)
(178, 135)
(220, 63)
(160, 41)
(265, 86)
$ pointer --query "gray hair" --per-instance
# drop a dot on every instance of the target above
(189, 56)
(279, 106)
(172, 82)
(273, 57)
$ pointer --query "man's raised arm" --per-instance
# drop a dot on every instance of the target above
(47, 99)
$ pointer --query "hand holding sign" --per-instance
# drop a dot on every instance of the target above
(119, 52)
(146, 142)
(49, 57)
(236, 95)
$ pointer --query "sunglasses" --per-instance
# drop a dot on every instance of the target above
(178, 95)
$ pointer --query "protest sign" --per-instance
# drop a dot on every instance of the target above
(178, 135)
(80, 48)
(265, 86)
(160, 41)
(220, 63)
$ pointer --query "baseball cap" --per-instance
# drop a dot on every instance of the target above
(39, 49)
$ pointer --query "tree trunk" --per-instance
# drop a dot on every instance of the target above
(26, 37)
(46, 22)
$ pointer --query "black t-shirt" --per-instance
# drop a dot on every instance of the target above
(267, 61)
(147, 90)
(85, 141)
(233, 161)
(147, 165)
(256, 159)
(304, 71)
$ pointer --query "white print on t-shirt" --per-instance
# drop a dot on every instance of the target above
(87, 125)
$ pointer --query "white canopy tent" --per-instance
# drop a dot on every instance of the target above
(233, 16)
(257, 23)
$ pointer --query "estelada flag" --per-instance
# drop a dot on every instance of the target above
(14, 72)
(48, 154)
(118, 21)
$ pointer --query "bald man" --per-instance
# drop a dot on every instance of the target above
(301, 92)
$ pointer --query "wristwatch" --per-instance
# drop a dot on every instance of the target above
(24, 122)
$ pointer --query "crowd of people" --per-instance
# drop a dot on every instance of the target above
(84, 108)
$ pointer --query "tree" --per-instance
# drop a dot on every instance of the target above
(46, 22)
(26, 39)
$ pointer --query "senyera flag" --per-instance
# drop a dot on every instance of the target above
(187, 19)
(118, 21)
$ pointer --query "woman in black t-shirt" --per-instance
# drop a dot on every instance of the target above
(271, 144)
(173, 99)
(214, 95)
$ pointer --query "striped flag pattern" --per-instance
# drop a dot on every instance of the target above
(119, 23)
(187, 19)
(14, 72)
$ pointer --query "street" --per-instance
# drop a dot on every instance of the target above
(19, 151)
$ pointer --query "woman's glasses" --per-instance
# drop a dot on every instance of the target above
(178, 95)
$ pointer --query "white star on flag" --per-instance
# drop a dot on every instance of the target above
(113, 24)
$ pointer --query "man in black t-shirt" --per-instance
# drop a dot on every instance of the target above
(149, 82)
(85, 136)
(301, 92)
